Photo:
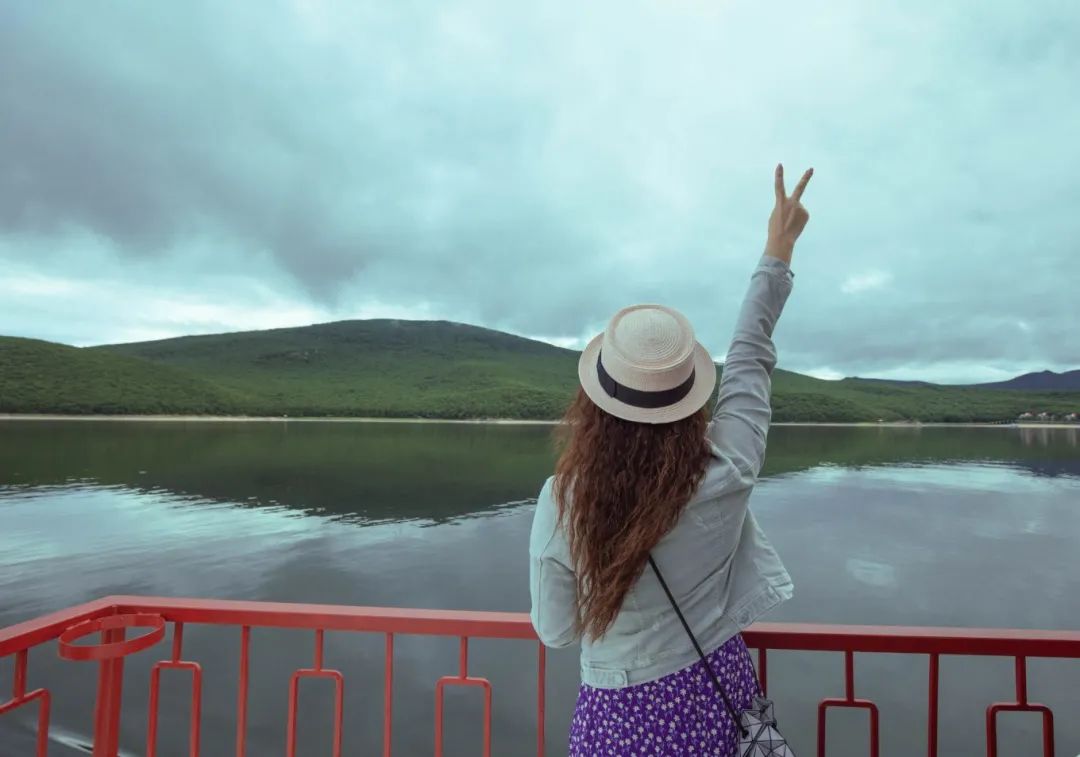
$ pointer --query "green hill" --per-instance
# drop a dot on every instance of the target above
(429, 369)
(804, 398)
(377, 368)
(44, 377)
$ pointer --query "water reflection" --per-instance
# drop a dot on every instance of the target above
(356, 472)
(435, 472)
(1050, 437)
(932, 526)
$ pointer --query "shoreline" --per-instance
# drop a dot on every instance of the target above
(266, 419)
(473, 421)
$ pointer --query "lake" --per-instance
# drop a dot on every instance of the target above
(907, 526)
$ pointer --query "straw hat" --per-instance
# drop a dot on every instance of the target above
(647, 367)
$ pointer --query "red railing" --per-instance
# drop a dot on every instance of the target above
(113, 617)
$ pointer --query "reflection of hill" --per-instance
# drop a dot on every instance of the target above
(431, 471)
(1043, 451)
(371, 471)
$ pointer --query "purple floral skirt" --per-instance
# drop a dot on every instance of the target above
(681, 713)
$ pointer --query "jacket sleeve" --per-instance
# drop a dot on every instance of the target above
(552, 584)
(743, 410)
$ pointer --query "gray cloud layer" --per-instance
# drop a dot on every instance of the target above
(535, 168)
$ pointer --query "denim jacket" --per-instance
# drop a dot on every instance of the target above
(722, 570)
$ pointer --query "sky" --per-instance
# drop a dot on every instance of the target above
(201, 167)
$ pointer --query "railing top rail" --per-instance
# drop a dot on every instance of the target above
(403, 620)
(46, 627)
(509, 625)
(946, 640)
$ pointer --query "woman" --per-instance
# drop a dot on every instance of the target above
(645, 472)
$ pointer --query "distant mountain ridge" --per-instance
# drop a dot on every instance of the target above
(1040, 381)
(428, 369)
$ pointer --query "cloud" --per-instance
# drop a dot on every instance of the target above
(84, 310)
(534, 168)
(860, 282)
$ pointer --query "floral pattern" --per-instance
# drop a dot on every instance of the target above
(679, 714)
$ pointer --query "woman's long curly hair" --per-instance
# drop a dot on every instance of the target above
(620, 486)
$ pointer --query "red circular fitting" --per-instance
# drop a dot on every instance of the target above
(71, 651)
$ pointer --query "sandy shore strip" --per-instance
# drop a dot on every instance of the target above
(471, 421)
(264, 419)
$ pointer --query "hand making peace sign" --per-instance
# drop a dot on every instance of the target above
(788, 217)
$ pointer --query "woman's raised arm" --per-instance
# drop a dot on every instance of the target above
(743, 410)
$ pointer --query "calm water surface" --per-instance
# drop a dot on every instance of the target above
(956, 527)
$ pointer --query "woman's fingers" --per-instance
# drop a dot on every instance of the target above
(781, 193)
(801, 186)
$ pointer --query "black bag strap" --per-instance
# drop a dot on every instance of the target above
(693, 640)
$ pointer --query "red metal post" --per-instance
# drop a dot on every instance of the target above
(440, 686)
(177, 642)
(196, 695)
(487, 718)
(1020, 705)
(152, 707)
(763, 677)
(19, 697)
(462, 679)
(43, 716)
(339, 698)
(196, 705)
(439, 718)
(388, 696)
(109, 653)
(932, 715)
(242, 692)
(109, 697)
(821, 729)
(1021, 679)
(290, 723)
(18, 684)
(991, 724)
(849, 701)
(541, 697)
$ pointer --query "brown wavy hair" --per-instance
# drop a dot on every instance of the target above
(629, 482)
